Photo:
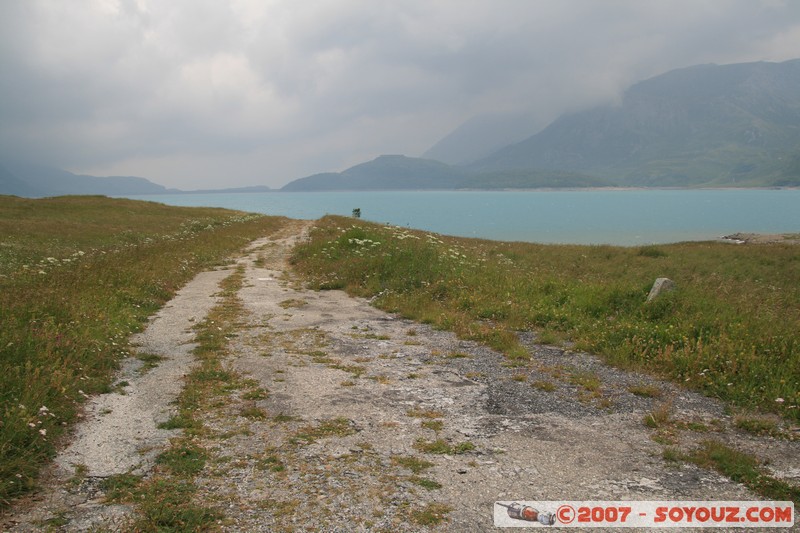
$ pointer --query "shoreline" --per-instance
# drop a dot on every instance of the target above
(762, 238)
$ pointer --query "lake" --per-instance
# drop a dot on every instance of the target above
(623, 217)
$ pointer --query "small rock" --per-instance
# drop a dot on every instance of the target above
(661, 286)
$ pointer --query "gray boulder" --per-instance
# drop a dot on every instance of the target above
(661, 286)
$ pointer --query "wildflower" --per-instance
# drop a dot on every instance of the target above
(779, 400)
(31, 425)
(43, 432)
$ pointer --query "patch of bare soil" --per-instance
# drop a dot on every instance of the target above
(375, 423)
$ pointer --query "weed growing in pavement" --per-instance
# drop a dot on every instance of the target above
(79, 275)
(544, 385)
(424, 413)
(121, 488)
(659, 417)
(256, 393)
(645, 391)
(271, 462)
(425, 483)
(166, 504)
(415, 464)
(430, 515)
(254, 413)
(758, 425)
(442, 447)
(184, 459)
(740, 345)
(292, 303)
(435, 425)
(149, 361)
(338, 427)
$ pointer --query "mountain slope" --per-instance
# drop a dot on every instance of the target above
(705, 125)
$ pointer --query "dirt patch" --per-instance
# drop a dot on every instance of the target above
(365, 421)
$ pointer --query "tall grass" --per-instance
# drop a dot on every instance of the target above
(731, 330)
(78, 275)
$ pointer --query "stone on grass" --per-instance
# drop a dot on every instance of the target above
(661, 286)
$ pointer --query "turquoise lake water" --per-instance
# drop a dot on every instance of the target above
(623, 217)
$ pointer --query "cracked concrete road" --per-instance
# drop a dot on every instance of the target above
(372, 422)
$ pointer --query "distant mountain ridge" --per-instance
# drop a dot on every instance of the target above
(22, 178)
(398, 172)
(387, 172)
(26, 179)
(708, 125)
(729, 125)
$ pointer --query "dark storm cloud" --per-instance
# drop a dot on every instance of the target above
(209, 92)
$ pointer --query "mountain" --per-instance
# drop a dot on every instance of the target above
(397, 172)
(22, 178)
(730, 125)
(481, 136)
(387, 172)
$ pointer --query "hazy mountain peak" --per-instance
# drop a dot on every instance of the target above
(482, 135)
(733, 124)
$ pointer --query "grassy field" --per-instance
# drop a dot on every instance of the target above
(731, 330)
(78, 275)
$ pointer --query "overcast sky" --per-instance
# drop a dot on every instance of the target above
(222, 93)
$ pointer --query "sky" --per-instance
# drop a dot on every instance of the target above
(198, 94)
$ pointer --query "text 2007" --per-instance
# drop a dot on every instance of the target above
(603, 514)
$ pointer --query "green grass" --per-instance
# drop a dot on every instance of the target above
(185, 459)
(78, 275)
(745, 469)
(167, 505)
(730, 330)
